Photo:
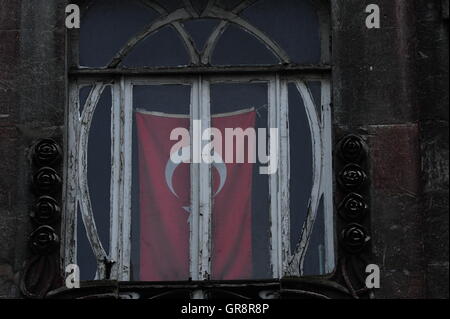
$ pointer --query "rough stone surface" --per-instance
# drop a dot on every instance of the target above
(433, 80)
(397, 220)
(391, 86)
(32, 104)
(373, 68)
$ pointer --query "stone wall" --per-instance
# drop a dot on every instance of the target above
(391, 86)
(432, 96)
(32, 103)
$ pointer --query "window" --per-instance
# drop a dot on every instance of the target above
(146, 67)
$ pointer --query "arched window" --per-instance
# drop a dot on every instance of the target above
(143, 68)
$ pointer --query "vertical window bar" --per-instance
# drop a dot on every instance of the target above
(205, 187)
(327, 184)
(127, 118)
(195, 187)
(71, 189)
(83, 189)
(274, 89)
(283, 175)
(116, 178)
(121, 132)
(316, 140)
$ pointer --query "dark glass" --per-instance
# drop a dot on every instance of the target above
(301, 179)
(315, 256)
(84, 93)
(170, 99)
(293, 24)
(315, 87)
(99, 181)
(228, 4)
(200, 30)
(163, 48)
(86, 259)
(237, 47)
(199, 5)
(107, 26)
(170, 5)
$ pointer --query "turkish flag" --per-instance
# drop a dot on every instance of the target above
(165, 202)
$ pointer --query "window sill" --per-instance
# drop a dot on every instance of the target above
(289, 288)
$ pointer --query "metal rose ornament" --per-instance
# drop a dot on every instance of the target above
(45, 211)
(352, 176)
(354, 237)
(46, 152)
(44, 240)
(353, 207)
(46, 180)
(352, 148)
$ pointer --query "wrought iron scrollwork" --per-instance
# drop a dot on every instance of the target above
(46, 181)
(44, 240)
(352, 149)
(353, 209)
(41, 271)
(352, 176)
(46, 210)
(46, 152)
(354, 237)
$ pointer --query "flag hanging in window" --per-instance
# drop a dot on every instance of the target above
(165, 202)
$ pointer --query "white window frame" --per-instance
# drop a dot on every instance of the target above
(285, 260)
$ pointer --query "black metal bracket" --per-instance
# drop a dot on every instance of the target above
(41, 271)
(352, 197)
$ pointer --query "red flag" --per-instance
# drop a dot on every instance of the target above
(164, 228)
(232, 208)
(164, 203)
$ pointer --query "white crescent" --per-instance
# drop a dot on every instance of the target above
(217, 163)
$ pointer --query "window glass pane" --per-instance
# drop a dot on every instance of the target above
(240, 213)
(170, 5)
(199, 5)
(163, 48)
(315, 87)
(228, 4)
(99, 181)
(84, 93)
(200, 30)
(237, 47)
(315, 256)
(85, 256)
(160, 189)
(107, 26)
(293, 24)
(301, 179)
